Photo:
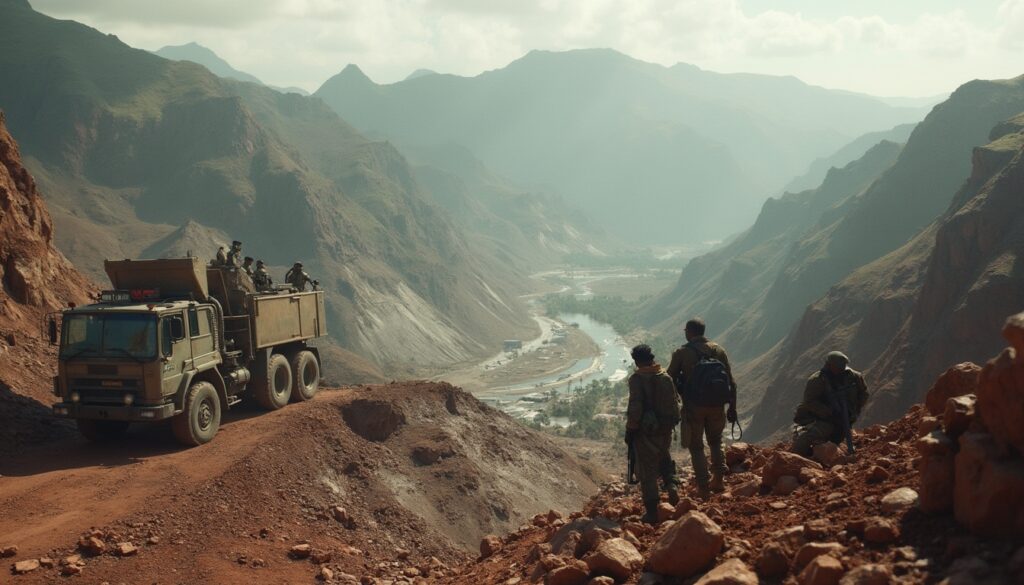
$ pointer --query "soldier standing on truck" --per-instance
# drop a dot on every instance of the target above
(261, 278)
(222, 257)
(235, 255)
(297, 277)
(247, 265)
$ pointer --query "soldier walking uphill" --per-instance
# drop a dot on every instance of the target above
(652, 414)
(701, 371)
(833, 399)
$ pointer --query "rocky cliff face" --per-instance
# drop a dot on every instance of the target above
(36, 279)
(905, 316)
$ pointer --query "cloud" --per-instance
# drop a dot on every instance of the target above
(302, 42)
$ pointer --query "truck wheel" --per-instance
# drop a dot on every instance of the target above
(306, 376)
(200, 419)
(274, 394)
(101, 431)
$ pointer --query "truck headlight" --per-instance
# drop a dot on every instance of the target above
(128, 399)
(75, 397)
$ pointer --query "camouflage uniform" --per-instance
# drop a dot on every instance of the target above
(247, 266)
(298, 278)
(261, 278)
(700, 422)
(652, 442)
(222, 257)
(815, 420)
(235, 254)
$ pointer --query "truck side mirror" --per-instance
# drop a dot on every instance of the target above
(51, 329)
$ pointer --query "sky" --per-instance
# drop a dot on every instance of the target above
(886, 48)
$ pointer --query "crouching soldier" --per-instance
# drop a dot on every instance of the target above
(652, 414)
(833, 399)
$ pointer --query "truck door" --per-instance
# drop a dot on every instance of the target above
(200, 320)
(175, 351)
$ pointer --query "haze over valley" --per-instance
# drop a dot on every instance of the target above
(470, 214)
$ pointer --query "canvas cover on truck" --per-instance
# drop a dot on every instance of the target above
(174, 277)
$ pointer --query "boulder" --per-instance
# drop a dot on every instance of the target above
(8, 551)
(731, 572)
(1000, 403)
(747, 488)
(936, 472)
(786, 485)
(689, 545)
(878, 530)
(601, 580)
(666, 511)
(489, 545)
(616, 558)
(899, 500)
(959, 415)
(573, 573)
(813, 550)
(959, 380)
(773, 561)
(988, 494)
(877, 474)
(868, 575)
(22, 567)
(591, 537)
(782, 463)
(927, 424)
(325, 574)
(827, 453)
(92, 545)
(823, 570)
(736, 453)
(126, 549)
(300, 551)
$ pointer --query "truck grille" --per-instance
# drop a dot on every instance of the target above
(104, 384)
(102, 370)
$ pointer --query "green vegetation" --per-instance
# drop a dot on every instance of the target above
(616, 311)
(595, 411)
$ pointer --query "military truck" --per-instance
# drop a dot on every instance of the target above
(176, 339)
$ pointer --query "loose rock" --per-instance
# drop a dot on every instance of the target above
(868, 575)
(823, 570)
(616, 558)
(489, 545)
(689, 545)
(300, 551)
(813, 550)
(574, 573)
(878, 530)
(731, 572)
(773, 561)
(22, 567)
(959, 380)
(899, 500)
(125, 549)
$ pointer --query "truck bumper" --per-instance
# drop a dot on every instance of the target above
(113, 412)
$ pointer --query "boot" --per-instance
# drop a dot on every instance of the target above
(651, 512)
(703, 492)
(717, 483)
(673, 494)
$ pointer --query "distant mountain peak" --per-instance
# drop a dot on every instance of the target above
(196, 53)
(420, 73)
(352, 72)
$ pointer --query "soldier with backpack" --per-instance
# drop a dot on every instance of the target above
(701, 372)
(833, 399)
(651, 416)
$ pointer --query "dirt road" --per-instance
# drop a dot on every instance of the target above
(419, 467)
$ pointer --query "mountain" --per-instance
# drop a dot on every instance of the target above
(728, 286)
(132, 147)
(523, 229)
(197, 53)
(906, 316)
(850, 152)
(611, 133)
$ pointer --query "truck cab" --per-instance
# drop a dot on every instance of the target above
(161, 346)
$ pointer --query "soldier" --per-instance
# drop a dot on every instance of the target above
(235, 254)
(261, 278)
(222, 257)
(835, 385)
(652, 414)
(247, 265)
(701, 372)
(297, 277)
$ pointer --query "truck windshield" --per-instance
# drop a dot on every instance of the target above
(109, 335)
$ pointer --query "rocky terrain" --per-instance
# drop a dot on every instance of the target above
(37, 279)
(935, 496)
(395, 481)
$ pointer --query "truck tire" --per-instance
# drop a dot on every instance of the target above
(200, 418)
(277, 390)
(306, 376)
(102, 431)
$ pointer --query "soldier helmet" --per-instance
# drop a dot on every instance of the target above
(837, 358)
(236, 243)
(259, 263)
(248, 258)
(297, 265)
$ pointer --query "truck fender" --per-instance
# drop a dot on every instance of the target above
(212, 376)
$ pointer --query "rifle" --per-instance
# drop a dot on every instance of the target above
(838, 405)
(631, 477)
